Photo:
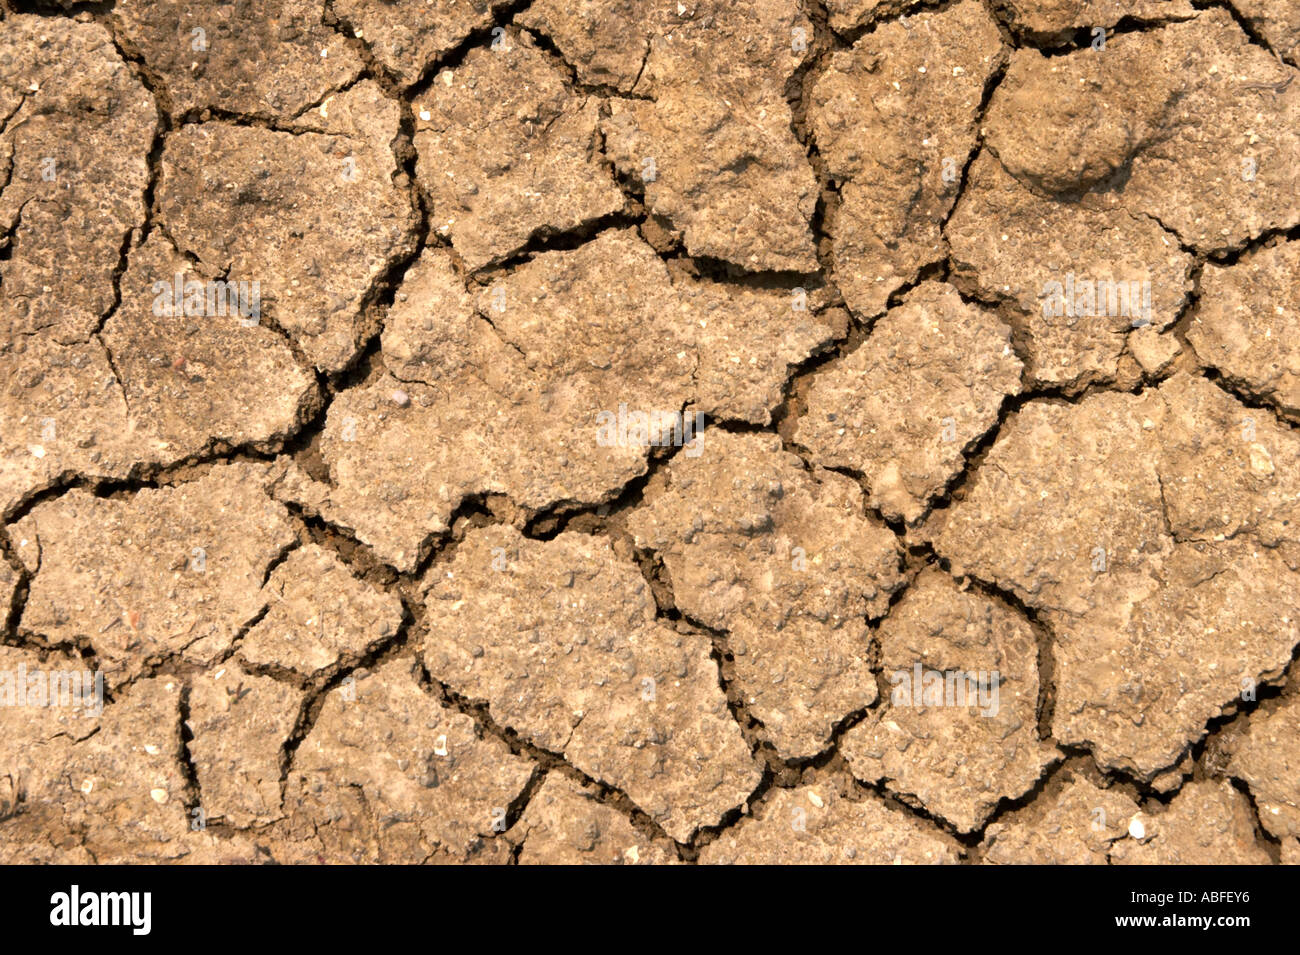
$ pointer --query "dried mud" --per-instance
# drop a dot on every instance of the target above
(624, 432)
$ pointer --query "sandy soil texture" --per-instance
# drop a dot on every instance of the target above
(650, 432)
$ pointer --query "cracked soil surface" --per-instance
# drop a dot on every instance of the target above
(650, 432)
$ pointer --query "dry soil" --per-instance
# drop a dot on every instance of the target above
(650, 432)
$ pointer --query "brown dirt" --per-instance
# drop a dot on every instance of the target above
(614, 431)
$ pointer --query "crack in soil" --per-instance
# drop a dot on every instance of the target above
(608, 518)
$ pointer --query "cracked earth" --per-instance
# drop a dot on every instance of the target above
(638, 395)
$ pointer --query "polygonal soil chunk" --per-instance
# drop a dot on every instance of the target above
(606, 41)
(1061, 482)
(389, 775)
(905, 405)
(1226, 468)
(1154, 351)
(75, 132)
(895, 120)
(784, 562)
(560, 639)
(1080, 275)
(1075, 827)
(193, 375)
(314, 216)
(405, 37)
(240, 723)
(1142, 100)
(107, 790)
(319, 616)
(564, 824)
(161, 572)
(266, 58)
(47, 703)
(507, 151)
(712, 145)
(746, 342)
(1247, 324)
(1110, 517)
(1267, 758)
(470, 413)
(814, 825)
(61, 413)
(1208, 823)
(1115, 96)
(959, 732)
(609, 294)
(43, 695)
(1161, 655)
(499, 401)
(652, 339)
(1278, 22)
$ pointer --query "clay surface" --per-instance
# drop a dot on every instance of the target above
(619, 432)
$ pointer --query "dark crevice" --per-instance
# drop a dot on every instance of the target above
(888, 11)
(185, 758)
(549, 239)
(1270, 843)
(216, 115)
(503, 15)
(519, 805)
(480, 712)
(1044, 636)
(1226, 258)
(991, 85)
(61, 8)
(320, 687)
(1234, 388)
(1246, 26)
(549, 46)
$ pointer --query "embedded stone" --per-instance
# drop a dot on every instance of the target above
(1076, 826)
(1208, 823)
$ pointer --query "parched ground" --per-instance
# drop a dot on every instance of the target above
(983, 321)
